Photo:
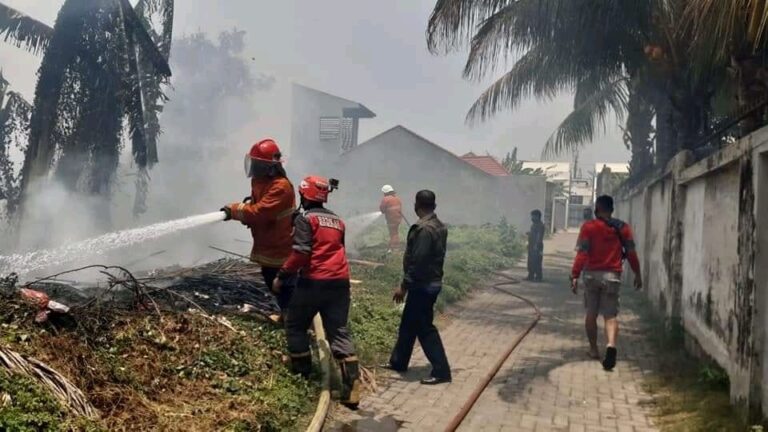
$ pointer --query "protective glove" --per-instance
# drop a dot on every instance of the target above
(228, 212)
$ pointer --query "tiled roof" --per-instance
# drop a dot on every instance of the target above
(489, 164)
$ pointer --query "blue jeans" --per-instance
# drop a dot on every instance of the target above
(417, 323)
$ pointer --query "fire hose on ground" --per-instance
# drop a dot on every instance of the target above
(473, 398)
(324, 352)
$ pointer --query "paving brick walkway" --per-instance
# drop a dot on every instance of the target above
(547, 384)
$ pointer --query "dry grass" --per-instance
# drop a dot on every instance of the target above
(689, 394)
(178, 371)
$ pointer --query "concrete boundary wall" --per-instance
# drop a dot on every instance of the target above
(704, 251)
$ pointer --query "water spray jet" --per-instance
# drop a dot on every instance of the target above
(36, 260)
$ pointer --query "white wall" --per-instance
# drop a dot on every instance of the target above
(721, 288)
(465, 194)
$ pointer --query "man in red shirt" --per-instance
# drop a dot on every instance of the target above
(604, 243)
(320, 260)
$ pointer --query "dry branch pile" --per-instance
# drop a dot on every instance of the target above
(144, 362)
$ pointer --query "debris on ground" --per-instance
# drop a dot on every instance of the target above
(176, 349)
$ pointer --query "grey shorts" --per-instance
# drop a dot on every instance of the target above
(601, 293)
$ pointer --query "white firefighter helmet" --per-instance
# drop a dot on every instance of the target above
(387, 189)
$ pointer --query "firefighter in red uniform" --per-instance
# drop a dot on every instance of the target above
(267, 211)
(319, 258)
(604, 243)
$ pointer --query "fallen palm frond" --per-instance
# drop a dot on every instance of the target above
(62, 389)
(368, 377)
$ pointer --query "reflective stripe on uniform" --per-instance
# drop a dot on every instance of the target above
(268, 261)
(239, 211)
(285, 213)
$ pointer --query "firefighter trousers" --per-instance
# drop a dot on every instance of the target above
(394, 235)
(331, 300)
(284, 298)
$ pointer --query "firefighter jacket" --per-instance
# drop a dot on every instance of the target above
(603, 245)
(268, 216)
(425, 252)
(392, 209)
(318, 252)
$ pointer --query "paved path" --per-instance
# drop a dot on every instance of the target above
(547, 384)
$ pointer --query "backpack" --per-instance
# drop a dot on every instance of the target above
(617, 225)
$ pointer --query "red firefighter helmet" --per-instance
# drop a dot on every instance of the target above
(265, 150)
(264, 153)
(315, 188)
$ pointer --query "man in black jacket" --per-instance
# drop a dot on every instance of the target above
(422, 282)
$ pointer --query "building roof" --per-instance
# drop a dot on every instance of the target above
(354, 109)
(618, 167)
(488, 164)
(400, 128)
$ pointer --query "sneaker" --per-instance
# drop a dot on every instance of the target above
(435, 381)
(609, 362)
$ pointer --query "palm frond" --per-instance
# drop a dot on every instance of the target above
(453, 22)
(583, 32)
(588, 118)
(23, 31)
(725, 26)
(143, 39)
(536, 73)
(506, 32)
(134, 106)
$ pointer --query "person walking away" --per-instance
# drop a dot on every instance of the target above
(422, 282)
(392, 209)
(267, 212)
(604, 243)
(319, 258)
(535, 247)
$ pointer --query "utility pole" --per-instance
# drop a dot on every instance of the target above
(571, 177)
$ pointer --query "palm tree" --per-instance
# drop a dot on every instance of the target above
(735, 32)
(514, 166)
(23, 31)
(579, 46)
(616, 57)
(14, 118)
(102, 63)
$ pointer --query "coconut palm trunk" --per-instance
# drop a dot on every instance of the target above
(638, 133)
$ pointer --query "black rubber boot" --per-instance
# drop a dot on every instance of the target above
(350, 382)
(302, 364)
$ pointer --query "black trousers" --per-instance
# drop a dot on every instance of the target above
(331, 300)
(284, 298)
(535, 259)
(417, 323)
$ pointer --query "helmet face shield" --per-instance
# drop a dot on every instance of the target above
(259, 168)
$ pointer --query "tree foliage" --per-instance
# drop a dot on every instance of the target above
(104, 63)
(638, 61)
(23, 31)
(514, 166)
(14, 121)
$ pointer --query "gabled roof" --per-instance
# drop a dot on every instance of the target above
(400, 128)
(488, 164)
(354, 109)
